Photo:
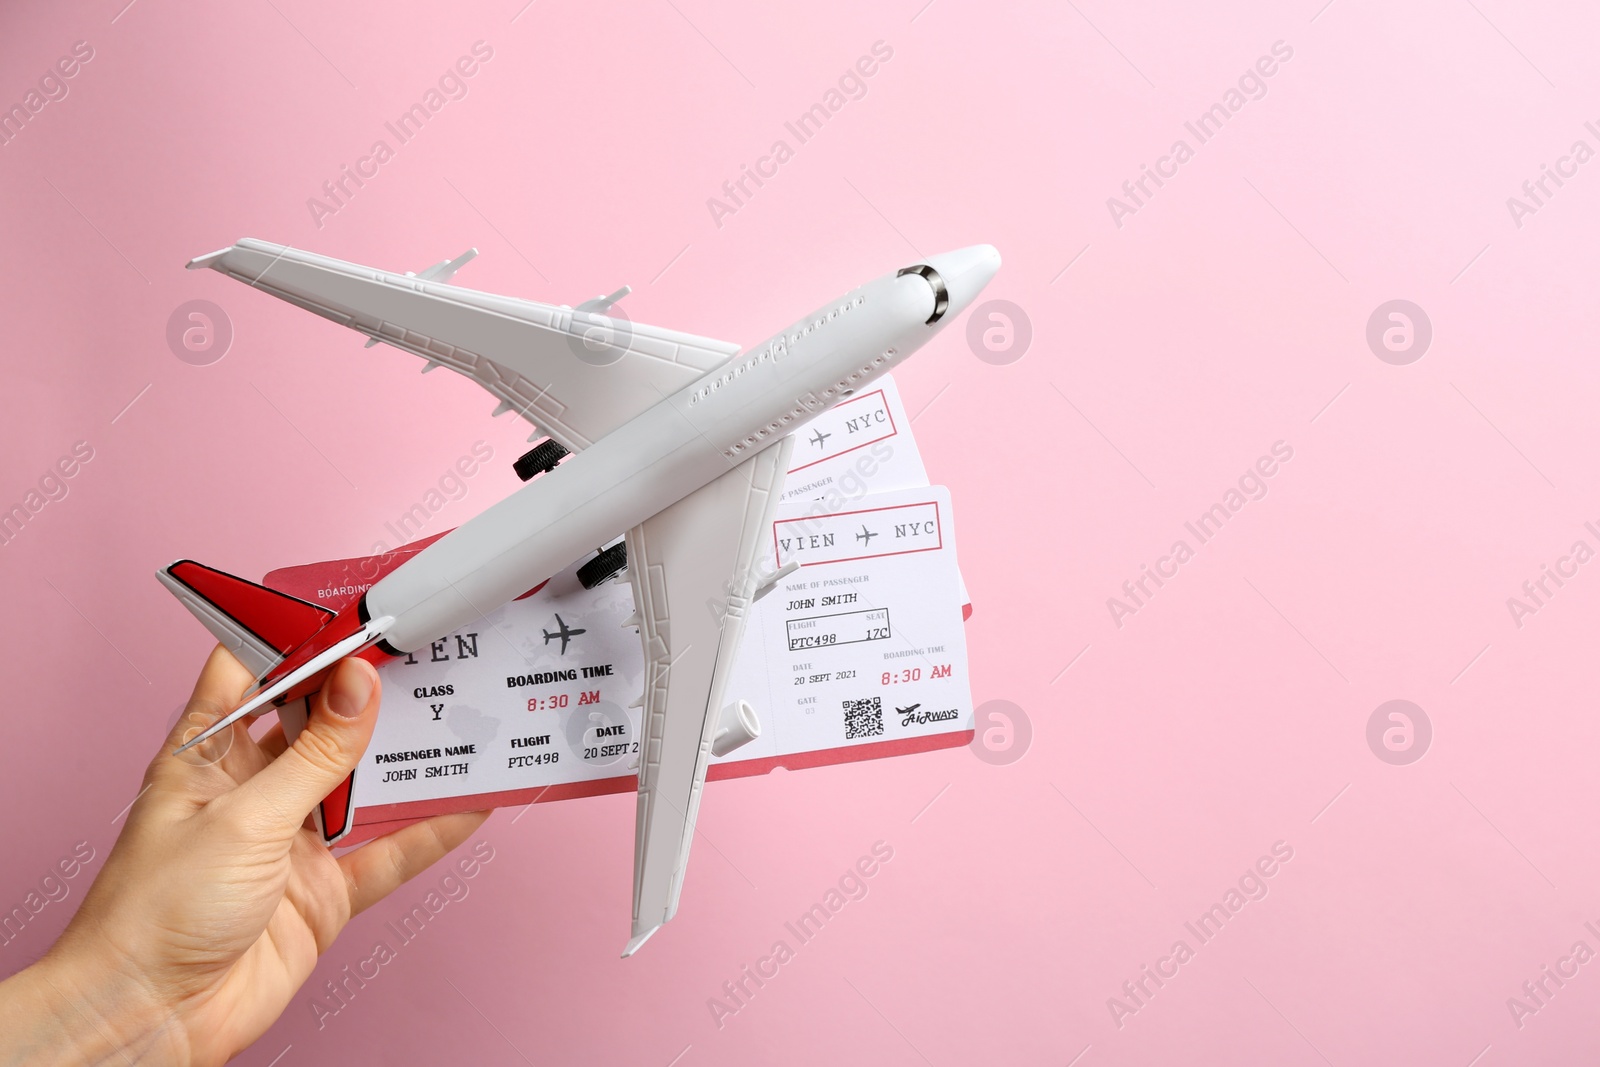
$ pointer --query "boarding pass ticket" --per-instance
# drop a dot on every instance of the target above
(858, 654)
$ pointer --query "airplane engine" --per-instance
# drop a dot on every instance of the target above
(738, 726)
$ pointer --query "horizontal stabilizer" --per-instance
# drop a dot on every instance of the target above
(258, 625)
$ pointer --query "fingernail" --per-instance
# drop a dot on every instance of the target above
(349, 690)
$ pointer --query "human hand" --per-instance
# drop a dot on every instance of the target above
(218, 897)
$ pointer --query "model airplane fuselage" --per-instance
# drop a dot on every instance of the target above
(673, 439)
(659, 457)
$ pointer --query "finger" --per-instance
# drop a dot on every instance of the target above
(379, 867)
(273, 742)
(247, 757)
(222, 680)
(323, 754)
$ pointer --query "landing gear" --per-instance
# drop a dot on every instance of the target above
(604, 567)
(539, 459)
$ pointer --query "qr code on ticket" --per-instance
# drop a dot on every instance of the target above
(863, 718)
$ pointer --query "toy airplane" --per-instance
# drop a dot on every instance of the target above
(679, 440)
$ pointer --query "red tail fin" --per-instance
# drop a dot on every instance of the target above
(260, 626)
(257, 624)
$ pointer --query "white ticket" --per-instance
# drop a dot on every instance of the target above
(860, 445)
(858, 654)
(864, 643)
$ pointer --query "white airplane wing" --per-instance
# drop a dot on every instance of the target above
(576, 374)
(692, 569)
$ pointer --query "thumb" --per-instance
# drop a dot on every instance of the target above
(342, 718)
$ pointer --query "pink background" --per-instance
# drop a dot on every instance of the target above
(1227, 314)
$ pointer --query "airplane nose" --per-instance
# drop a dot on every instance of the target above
(964, 273)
